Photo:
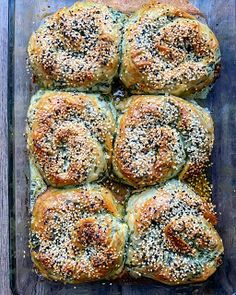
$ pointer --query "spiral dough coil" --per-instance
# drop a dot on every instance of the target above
(160, 137)
(77, 47)
(172, 239)
(77, 235)
(166, 50)
(70, 136)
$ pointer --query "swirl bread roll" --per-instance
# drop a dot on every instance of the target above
(77, 235)
(167, 50)
(69, 136)
(77, 47)
(160, 137)
(172, 235)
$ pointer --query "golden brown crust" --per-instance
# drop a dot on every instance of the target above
(159, 137)
(128, 6)
(77, 47)
(173, 239)
(120, 191)
(70, 136)
(77, 235)
(167, 50)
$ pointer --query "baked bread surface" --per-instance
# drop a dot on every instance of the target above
(129, 6)
(69, 136)
(172, 235)
(167, 50)
(159, 137)
(77, 234)
(77, 47)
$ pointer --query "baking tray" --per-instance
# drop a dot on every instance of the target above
(25, 16)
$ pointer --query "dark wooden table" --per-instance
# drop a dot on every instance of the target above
(221, 14)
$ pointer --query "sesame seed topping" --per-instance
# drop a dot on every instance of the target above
(74, 234)
(70, 137)
(167, 52)
(160, 136)
(172, 237)
(76, 47)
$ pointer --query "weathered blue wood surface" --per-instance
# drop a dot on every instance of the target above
(4, 241)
